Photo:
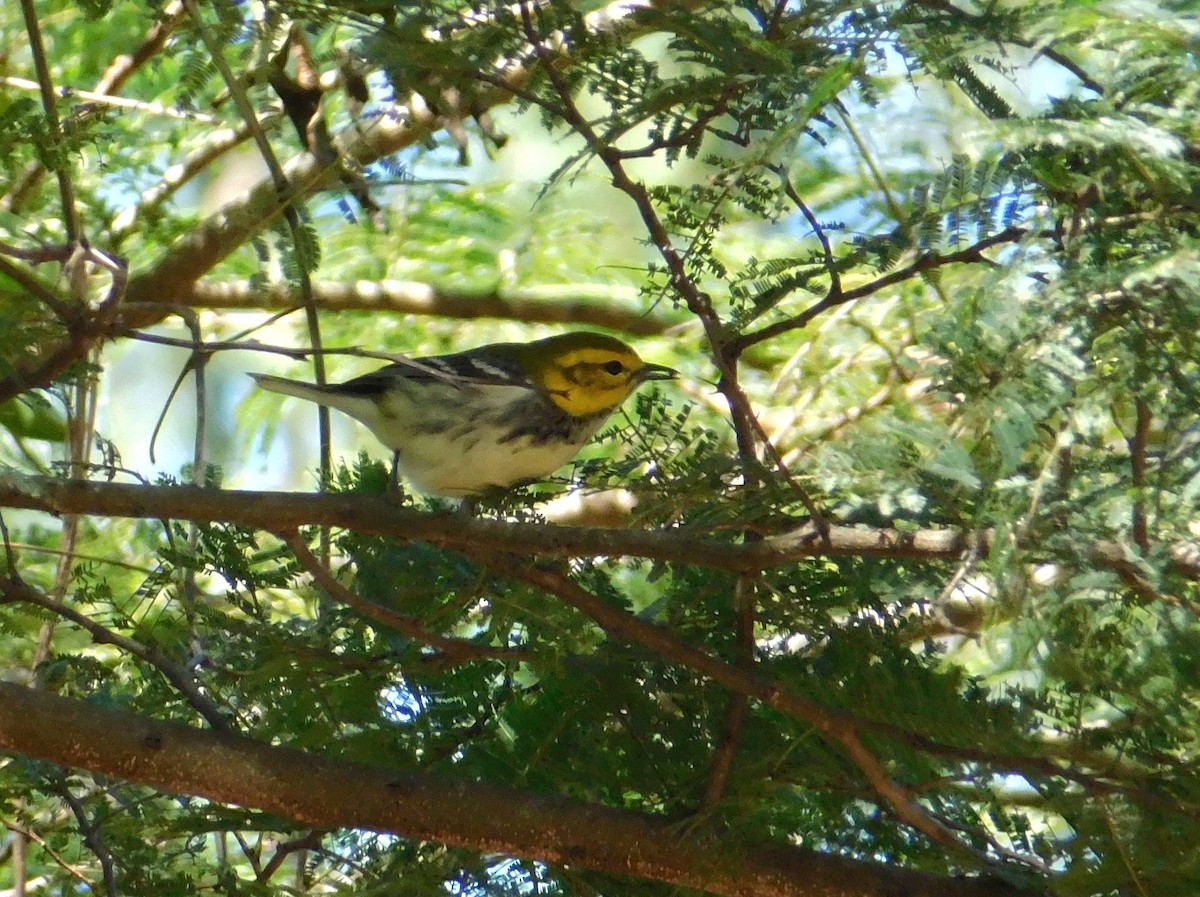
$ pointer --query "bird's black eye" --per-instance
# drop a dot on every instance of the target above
(614, 367)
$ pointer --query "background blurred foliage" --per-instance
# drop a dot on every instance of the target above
(953, 253)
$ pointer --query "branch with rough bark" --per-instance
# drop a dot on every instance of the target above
(375, 516)
(328, 793)
(597, 306)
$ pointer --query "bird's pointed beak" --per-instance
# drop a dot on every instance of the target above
(656, 372)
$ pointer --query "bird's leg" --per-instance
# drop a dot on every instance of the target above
(394, 489)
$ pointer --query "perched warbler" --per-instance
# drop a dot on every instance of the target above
(490, 417)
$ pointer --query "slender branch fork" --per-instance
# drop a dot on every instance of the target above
(84, 327)
(836, 727)
(14, 590)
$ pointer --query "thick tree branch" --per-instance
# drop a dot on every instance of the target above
(329, 793)
(589, 305)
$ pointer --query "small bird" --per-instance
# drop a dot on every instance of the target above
(492, 417)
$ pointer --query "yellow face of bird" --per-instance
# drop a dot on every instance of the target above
(594, 378)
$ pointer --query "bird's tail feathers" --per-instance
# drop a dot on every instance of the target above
(309, 391)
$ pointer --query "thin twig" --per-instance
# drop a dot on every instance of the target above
(285, 849)
(1074, 68)
(747, 429)
(455, 650)
(290, 202)
(252, 854)
(1137, 459)
(90, 830)
(924, 262)
(14, 589)
(37, 839)
(835, 277)
(903, 804)
(78, 555)
(116, 102)
(10, 555)
(64, 311)
(1118, 839)
(65, 188)
(744, 606)
(123, 67)
(190, 591)
(1050, 53)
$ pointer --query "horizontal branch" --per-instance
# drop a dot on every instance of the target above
(103, 99)
(490, 539)
(327, 793)
(370, 515)
(567, 304)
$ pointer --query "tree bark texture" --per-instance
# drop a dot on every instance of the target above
(325, 793)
